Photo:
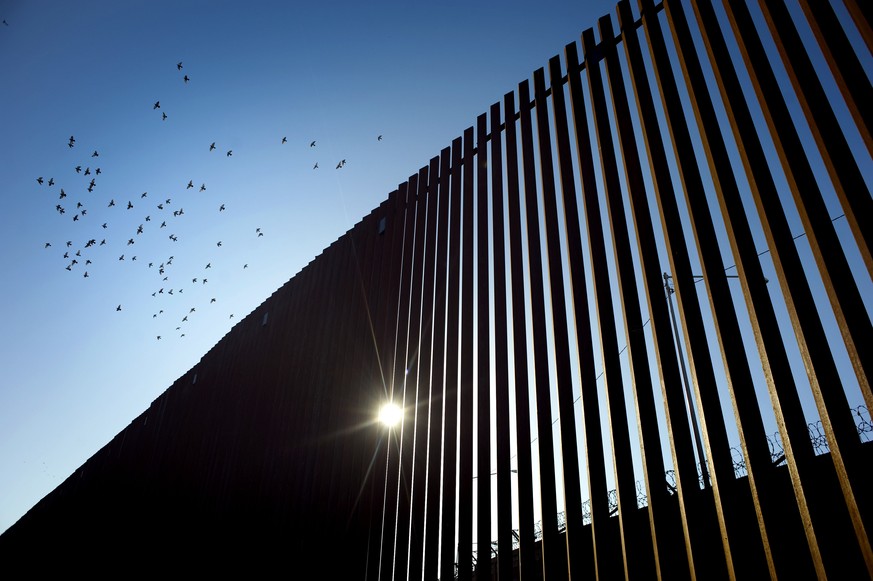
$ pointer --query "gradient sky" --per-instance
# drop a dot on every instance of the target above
(76, 370)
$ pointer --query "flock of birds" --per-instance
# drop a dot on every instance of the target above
(154, 218)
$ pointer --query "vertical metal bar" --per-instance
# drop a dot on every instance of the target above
(483, 383)
(734, 517)
(663, 529)
(501, 355)
(569, 447)
(848, 308)
(844, 64)
(695, 335)
(808, 328)
(862, 15)
(402, 231)
(462, 255)
(526, 546)
(432, 349)
(627, 284)
(837, 155)
(448, 325)
(383, 335)
(740, 384)
(554, 549)
(846, 301)
(418, 369)
(661, 324)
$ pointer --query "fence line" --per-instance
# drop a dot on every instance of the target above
(540, 240)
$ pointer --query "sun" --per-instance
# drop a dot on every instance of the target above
(390, 414)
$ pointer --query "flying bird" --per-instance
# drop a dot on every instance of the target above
(63, 194)
(51, 181)
(221, 208)
(144, 194)
(229, 152)
(87, 171)
(163, 116)
(39, 180)
(315, 166)
(312, 144)
(212, 301)
(209, 265)
(202, 187)
(118, 308)
(379, 138)
(95, 154)
(47, 244)
(97, 171)
(219, 243)
(78, 169)
(69, 243)
(211, 147)
(284, 140)
(179, 65)
(190, 185)
(111, 203)
(72, 141)
(157, 105)
(185, 78)
(129, 205)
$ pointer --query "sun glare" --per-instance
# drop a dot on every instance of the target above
(390, 414)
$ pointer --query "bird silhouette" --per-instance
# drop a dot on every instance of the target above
(78, 169)
(212, 301)
(130, 241)
(379, 138)
(48, 244)
(121, 257)
(312, 144)
(209, 265)
(95, 154)
(51, 182)
(87, 171)
(202, 187)
(69, 243)
(163, 116)
(219, 243)
(72, 141)
(39, 180)
(315, 166)
(97, 171)
(129, 205)
(118, 308)
(86, 274)
(179, 65)
(211, 147)
(144, 194)
(157, 105)
(63, 194)
(284, 140)
(185, 78)
(190, 185)
(221, 208)
(163, 224)
(229, 152)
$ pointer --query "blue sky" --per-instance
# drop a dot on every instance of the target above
(75, 369)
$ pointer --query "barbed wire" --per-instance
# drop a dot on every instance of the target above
(817, 437)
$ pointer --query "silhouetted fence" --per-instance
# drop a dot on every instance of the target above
(526, 322)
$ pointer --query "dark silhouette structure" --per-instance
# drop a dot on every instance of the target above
(515, 298)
